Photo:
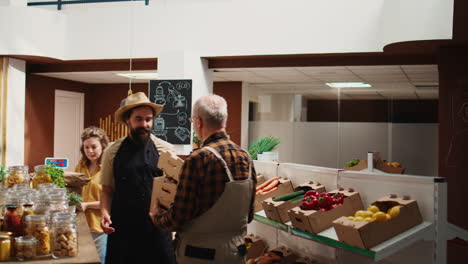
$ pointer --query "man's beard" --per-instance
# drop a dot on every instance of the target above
(140, 135)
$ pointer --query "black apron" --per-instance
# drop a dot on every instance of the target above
(136, 239)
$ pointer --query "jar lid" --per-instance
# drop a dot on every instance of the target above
(4, 236)
(26, 240)
(6, 233)
(18, 167)
(40, 167)
(36, 218)
(11, 206)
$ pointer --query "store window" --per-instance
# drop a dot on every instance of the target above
(320, 125)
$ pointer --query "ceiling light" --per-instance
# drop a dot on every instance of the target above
(348, 84)
(139, 75)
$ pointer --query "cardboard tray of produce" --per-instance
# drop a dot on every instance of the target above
(280, 254)
(278, 210)
(366, 235)
(315, 221)
(256, 247)
(284, 187)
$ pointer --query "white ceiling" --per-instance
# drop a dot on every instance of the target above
(388, 82)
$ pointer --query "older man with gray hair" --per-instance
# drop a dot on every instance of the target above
(214, 199)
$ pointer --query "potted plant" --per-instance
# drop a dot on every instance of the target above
(74, 201)
(263, 144)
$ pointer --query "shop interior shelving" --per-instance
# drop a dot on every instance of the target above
(430, 193)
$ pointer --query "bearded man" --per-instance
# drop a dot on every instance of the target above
(128, 168)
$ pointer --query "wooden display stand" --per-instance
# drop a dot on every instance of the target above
(364, 234)
(313, 221)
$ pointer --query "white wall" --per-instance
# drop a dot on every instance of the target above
(217, 28)
(16, 99)
(332, 144)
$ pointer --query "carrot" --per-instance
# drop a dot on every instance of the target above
(271, 185)
(259, 187)
(269, 191)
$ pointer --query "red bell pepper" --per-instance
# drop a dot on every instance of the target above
(311, 193)
(338, 198)
(324, 201)
(309, 203)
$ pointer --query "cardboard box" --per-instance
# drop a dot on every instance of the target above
(170, 164)
(369, 234)
(286, 256)
(278, 211)
(257, 246)
(362, 165)
(284, 187)
(313, 221)
(381, 165)
(260, 179)
(165, 187)
(306, 260)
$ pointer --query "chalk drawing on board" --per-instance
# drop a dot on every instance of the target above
(172, 123)
(159, 128)
(182, 118)
(159, 97)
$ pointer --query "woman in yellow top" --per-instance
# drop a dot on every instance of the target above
(93, 142)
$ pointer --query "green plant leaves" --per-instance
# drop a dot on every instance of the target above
(263, 144)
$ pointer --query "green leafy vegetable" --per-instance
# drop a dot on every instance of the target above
(56, 174)
(3, 173)
(74, 198)
(263, 144)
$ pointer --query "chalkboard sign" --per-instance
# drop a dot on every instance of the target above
(173, 124)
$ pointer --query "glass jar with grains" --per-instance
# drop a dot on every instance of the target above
(40, 176)
(16, 175)
(25, 248)
(36, 226)
(64, 238)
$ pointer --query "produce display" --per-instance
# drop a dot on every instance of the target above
(393, 164)
(383, 219)
(268, 186)
(278, 255)
(373, 213)
(352, 163)
(290, 196)
(318, 210)
(321, 201)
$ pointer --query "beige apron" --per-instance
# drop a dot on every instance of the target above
(218, 232)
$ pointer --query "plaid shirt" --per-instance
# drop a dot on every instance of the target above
(202, 181)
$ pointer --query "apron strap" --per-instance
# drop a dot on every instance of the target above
(216, 153)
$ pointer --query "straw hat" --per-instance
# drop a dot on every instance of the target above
(136, 100)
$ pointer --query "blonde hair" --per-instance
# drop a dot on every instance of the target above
(88, 133)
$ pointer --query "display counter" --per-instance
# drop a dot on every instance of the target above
(87, 252)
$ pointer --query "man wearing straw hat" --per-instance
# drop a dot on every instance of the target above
(128, 168)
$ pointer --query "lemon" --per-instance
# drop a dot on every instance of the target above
(388, 217)
(366, 214)
(361, 213)
(351, 218)
(380, 217)
(358, 218)
(374, 209)
(394, 211)
(369, 219)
